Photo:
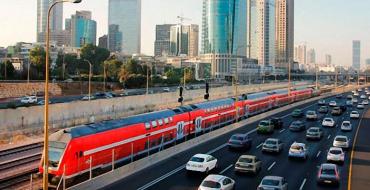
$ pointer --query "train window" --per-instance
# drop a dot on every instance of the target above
(147, 126)
(166, 120)
(160, 122)
(154, 124)
(171, 119)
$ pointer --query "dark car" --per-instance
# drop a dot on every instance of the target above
(297, 113)
(277, 122)
(323, 109)
(297, 126)
(328, 174)
(336, 111)
(339, 96)
(240, 141)
(343, 108)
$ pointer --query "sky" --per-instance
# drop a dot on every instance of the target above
(328, 26)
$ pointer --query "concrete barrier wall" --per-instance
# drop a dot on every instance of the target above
(129, 169)
(82, 112)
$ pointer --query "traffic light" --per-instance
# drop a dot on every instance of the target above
(180, 94)
(206, 96)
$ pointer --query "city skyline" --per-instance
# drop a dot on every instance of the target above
(320, 30)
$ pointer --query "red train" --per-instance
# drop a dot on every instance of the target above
(71, 149)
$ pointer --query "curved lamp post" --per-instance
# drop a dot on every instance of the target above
(46, 107)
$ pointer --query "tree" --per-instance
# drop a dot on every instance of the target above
(96, 56)
(9, 72)
(112, 68)
(189, 75)
(37, 57)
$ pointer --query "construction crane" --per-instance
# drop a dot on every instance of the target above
(182, 19)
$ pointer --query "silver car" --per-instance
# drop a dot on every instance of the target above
(314, 133)
(341, 142)
(273, 182)
(335, 154)
(346, 126)
(272, 145)
(248, 163)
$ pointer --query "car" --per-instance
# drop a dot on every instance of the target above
(335, 154)
(277, 122)
(368, 93)
(349, 103)
(332, 103)
(87, 97)
(248, 164)
(272, 145)
(346, 126)
(311, 115)
(273, 182)
(297, 113)
(365, 102)
(42, 102)
(297, 126)
(356, 94)
(343, 108)
(341, 142)
(298, 150)
(314, 133)
(349, 97)
(355, 100)
(328, 122)
(336, 111)
(217, 182)
(328, 174)
(68, 80)
(359, 90)
(369, 98)
(363, 97)
(166, 89)
(360, 106)
(29, 100)
(265, 126)
(240, 141)
(354, 115)
(339, 96)
(322, 102)
(323, 109)
(201, 163)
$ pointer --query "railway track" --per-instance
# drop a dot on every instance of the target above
(18, 164)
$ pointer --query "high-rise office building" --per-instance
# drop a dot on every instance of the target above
(311, 56)
(368, 64)
(124, 26)
(56, 18)
(103, 42)
(184, 40)
(356, 54)
(284, 17)
(224, 27)
(262, 31)
(302, 54)
(328, 60)
(193, 49)
(162, 39)
(82, 29)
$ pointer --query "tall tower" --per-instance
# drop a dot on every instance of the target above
(124, 26)
(56, 18)
(356, 54)
(284, 16)
(82, 29)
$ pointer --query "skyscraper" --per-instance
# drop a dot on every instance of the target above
(56, 17)
(356, 54)
(224, 27)
(284, 16)
(302, 54)
(124, 26)
(103, 41)
(162, 39)
(184, 40)
(311, 56)
(328, 60)
(82, 29)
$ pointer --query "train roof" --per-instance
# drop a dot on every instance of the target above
(89, 129)
(214, 103)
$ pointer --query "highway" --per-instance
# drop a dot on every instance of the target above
(171, 173)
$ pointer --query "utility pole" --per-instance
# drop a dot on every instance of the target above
(317, 77)
(289, 75)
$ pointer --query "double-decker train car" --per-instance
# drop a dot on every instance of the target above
(76, 150)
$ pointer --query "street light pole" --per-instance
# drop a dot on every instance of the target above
(90, 74)
(147, 79)
(28, 69)
(46, 107)
(289, 75)
(105, 76)
(317, 76)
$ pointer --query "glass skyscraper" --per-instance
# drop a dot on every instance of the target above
(224, 27)
(356, 54)
(124, 25)
(82, 28)
(56, 17)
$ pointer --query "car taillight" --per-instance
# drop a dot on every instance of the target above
(336, 175)
(318, 174)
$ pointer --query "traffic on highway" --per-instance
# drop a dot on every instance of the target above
(306, 147)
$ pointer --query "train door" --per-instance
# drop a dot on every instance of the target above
(198, 124)
(246, 111)
(180, 130)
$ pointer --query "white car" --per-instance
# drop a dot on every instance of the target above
(332, 103)
(166, 89)
(341, 141)
(365, 102)
(354, 115)
(335, 154)
(273, 182)
(201, 163)
(363, 97)
(298, 150)
(328, 122)
(356, 94)
(87, 97)
(217, 182)
(29, 100)
(272, 145)
(354, 100)
(346, 126)
(360, 89)
(360, 106)
(368, 93)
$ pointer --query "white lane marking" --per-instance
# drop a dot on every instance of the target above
(281, 130)
(228, 167)
(259, 146)
(272, 165)
(318, 154)
(329, 136)
(161, 178)
(303, 183)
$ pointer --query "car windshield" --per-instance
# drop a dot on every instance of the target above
(211, 184)
(328, 172)
(270, 182)
(197, 159)
(341, 139)
(296, 123)
(327, 119)
(335, 152)
(296, 147)
(270, 142)
(297, 111)
(313, 130)
(56, 150)
(246, 160)
(237, 138)
(323, 108)
(310, 113)
(354, 112)
(264, 123)
(345, 124)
